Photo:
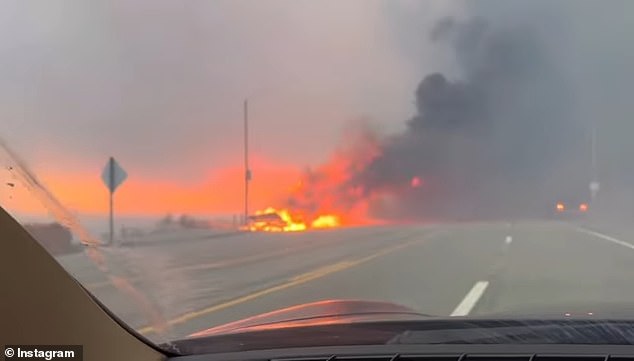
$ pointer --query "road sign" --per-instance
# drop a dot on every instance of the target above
(113, 175)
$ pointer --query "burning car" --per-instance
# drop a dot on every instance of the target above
(269, 221)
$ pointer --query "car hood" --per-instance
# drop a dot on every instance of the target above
(421, 331)
(327, 312)
(618, 310)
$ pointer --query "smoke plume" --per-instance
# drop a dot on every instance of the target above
(500, 139)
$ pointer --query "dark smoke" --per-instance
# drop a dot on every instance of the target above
(501, 140)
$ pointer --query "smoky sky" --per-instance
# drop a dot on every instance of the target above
(504, 129)
(160, 84)
(508, 133)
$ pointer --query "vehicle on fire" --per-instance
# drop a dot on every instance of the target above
(272, 220)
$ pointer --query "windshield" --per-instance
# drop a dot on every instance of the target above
(194, 164)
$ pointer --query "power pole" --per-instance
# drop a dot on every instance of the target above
(112, 182)
(594, 184)
(594, 152)
(247, 171)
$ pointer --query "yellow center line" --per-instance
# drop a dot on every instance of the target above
(291, 282)
(207, 266)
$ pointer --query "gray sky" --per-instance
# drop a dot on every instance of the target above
(590, 39)
(159, 84)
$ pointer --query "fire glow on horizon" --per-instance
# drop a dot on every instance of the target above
(326, 196)
(330, 196)
(218, 192)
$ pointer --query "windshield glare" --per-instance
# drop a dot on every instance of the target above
(196, 164)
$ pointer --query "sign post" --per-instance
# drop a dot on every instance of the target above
(113, 175)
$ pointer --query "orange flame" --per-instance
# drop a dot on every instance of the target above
(282, 220)
(330, 195)
(325, 221)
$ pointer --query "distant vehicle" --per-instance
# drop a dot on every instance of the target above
(570, 208)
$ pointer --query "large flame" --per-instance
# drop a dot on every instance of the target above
(325, 221)
(332, 195)
(325, 197)
(282, 220)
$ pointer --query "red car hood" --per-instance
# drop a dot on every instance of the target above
(318, 313)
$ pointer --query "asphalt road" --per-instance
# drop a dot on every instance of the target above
(471, 269)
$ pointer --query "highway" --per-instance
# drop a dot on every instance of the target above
(496, 269)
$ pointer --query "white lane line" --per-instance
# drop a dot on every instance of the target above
(606, 237)
(470, 299)
(508, 240)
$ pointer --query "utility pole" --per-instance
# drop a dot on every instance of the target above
(111, 181)
(247, 171)
(594, 184)
(594, 152)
